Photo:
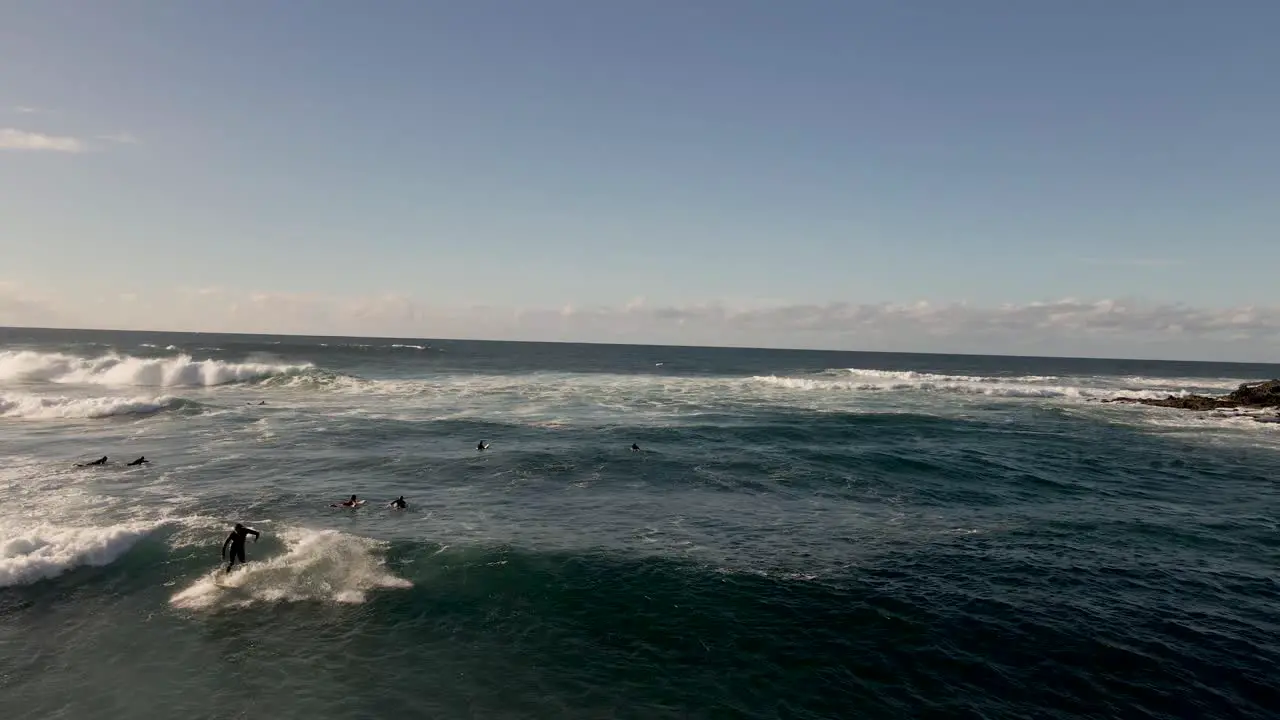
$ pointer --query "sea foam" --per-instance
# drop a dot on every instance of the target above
(112, 369)
(317, 566)
(38, 407)
(1011, 387)
(45, 551)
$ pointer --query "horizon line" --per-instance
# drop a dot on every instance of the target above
(644, 345)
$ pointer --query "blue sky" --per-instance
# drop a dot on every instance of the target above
(538, 156)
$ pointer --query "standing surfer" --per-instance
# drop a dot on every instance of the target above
(236, 542)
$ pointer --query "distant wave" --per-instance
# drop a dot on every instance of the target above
(1129, 381)
(1029, 387)
(113, 369)
(38, 407)
(409, 347)
(912, 376)
(40, 552)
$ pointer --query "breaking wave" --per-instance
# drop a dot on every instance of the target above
(313, 378)
(1024, 386)
(317, 566)
(37, 407)
(126, 370)
(46, 551)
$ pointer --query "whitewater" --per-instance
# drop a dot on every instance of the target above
(840, 534)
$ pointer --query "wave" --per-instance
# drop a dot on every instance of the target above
(913, 376)
(36, 407)
(959, 384)
(317, 566)
(409, 347)
(47, 551)
(1128, 381)
(316, 379)
(112, 369)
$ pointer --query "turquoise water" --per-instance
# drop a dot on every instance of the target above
(802, 535)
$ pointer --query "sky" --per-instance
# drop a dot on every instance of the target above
(996, 176)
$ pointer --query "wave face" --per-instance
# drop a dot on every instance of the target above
(125, 370)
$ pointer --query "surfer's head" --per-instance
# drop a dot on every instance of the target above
(353, 498)
(239, 527)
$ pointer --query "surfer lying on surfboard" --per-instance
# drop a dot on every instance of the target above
(352, 503)
(236, 541)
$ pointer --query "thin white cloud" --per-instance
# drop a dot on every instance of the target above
(1136, 263)
(25, 109)
(1061, 327)
(22, 306)
(120, 139)
(14, 139)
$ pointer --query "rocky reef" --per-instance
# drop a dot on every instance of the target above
(1264, 394)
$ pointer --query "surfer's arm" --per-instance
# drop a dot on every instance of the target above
(227, 543)
(252, 532)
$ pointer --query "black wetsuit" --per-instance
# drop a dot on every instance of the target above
(140, 461)
(236, 541)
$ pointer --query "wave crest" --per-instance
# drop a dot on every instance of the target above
(112, 369)
(46, 551)
(36, 407)
(964, 385)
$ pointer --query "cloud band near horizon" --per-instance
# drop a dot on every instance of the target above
(15, 139)
(1116, 328)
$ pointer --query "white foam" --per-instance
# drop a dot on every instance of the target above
(44, 407)
(957, 384)
(45, 551)
(409, 347)
(912, 376)
(318, 566)
(112, 369)
(1130, 381)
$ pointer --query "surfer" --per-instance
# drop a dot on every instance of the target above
(100, 461)
(236, 542)
(635, 447)
(399, 503)
(482, 445)
(353, 502)
(142, 460)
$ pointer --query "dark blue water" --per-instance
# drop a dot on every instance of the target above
(801, 535)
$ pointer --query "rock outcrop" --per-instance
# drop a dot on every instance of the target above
(1249, 395)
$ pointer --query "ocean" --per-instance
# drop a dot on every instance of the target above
(800, 535)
